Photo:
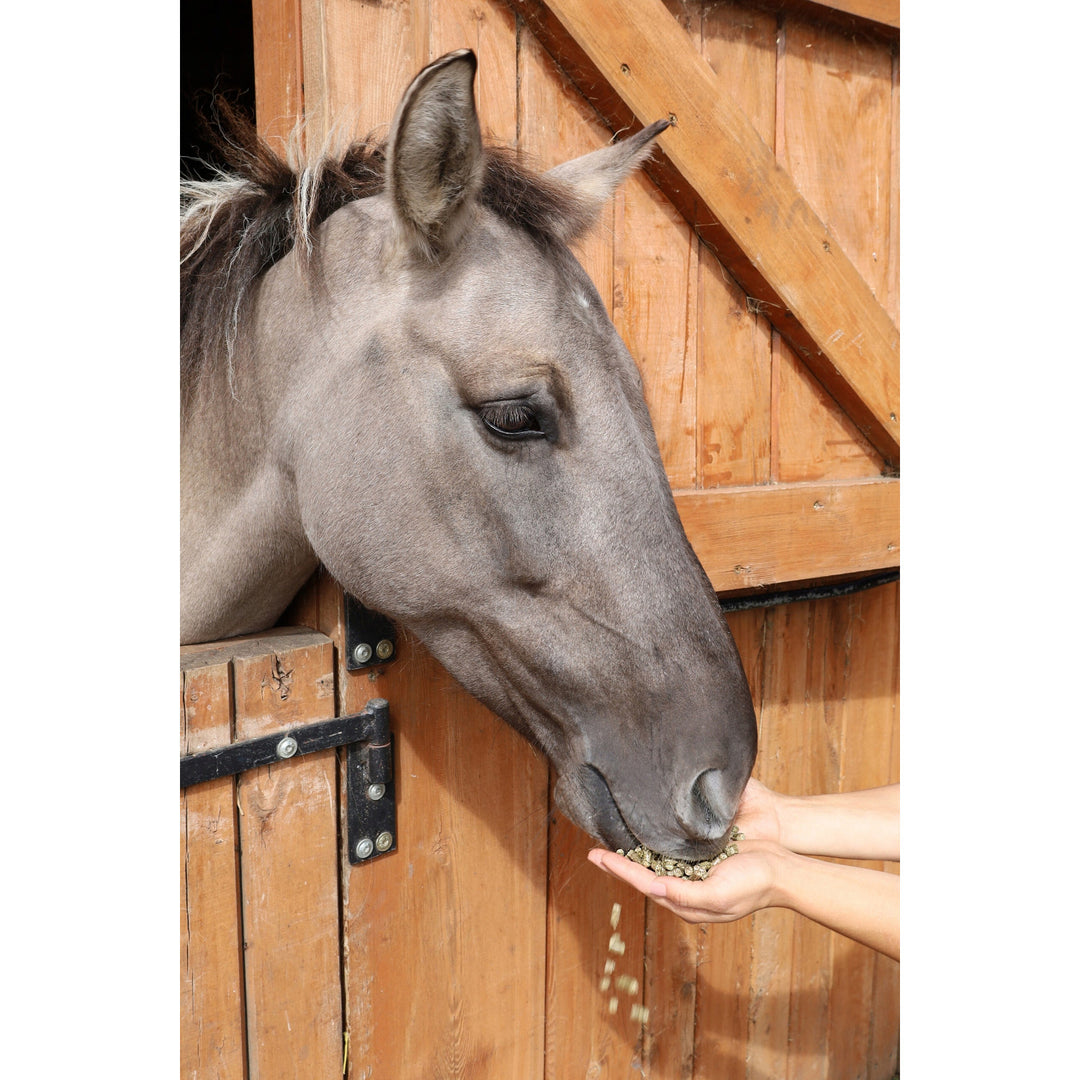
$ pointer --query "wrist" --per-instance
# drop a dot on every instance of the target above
(783, 889)
(787, 810)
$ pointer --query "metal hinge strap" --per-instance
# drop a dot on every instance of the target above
(371, 815)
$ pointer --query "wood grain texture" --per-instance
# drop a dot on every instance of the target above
(288, 836)
(279, 69)
(766, 996)
(774, 243)
(212, 1029)
(444, 937)
(765, 534)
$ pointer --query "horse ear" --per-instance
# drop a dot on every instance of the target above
(594, 177)
(434, 158)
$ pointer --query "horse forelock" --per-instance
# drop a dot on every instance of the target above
(260, 207)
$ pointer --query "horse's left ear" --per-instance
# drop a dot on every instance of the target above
(594, 177)
(434, 157)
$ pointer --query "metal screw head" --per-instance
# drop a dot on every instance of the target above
(385, 649)
(376, 791)
(362, 653)
(287, 747)
(364, 848)
(383, 841)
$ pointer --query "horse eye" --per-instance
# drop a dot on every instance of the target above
(511, 420)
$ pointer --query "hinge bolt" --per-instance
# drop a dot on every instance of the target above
(376, 791)
(362, 653)
(287, 747)
(383, 841)
(364, 848)
(385, 649)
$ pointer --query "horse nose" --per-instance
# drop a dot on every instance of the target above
(713, 802)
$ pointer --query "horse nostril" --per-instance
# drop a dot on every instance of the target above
(710, 801)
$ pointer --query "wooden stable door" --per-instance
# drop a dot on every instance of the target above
(476, 949)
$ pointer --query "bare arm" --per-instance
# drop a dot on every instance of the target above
(861, 904)
(848, 825)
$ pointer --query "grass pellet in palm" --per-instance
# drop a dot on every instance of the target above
(665, 866)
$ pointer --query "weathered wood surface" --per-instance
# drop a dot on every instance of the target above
(752, 439)
(729, 184)
(212, 1039)
(262, 898)
(764, 534)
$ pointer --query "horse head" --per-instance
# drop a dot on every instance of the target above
(436, 406)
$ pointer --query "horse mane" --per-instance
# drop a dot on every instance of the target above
(259, 207)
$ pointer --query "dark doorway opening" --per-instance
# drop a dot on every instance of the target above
(217, 56)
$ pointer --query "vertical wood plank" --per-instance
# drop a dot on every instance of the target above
(582, 1036)
(865, 690)
(556, 125)
(655, 299)
(445, 936)
(724, 974)
(289, 865)
(780, 744)
(279, 71)
(734, 342)
(211, 969)
(734, 383)
(814, 769)
(834, 135)
(812, 439)
(673, 954)
(488, 28)
(838, 139)
(359, 56)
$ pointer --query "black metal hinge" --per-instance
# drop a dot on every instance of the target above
(370, 637)
(370, 814)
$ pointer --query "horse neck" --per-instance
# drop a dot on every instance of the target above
(243, 551)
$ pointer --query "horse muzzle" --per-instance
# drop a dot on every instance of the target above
(691, 821)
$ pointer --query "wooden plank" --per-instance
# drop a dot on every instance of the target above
(735, 343)
(673, 954)
(279, 70)
(211, 966)
(834, 119)
(346, 90)
(445, 937)
(490, 30)
(289, 864)
(725, 970)
(814, 768)
(766, 534)
(864, 690)
(582, 1037)
(835, 139)
(655, 296)
(886, 12)
(750, 211)
(781, 737)
(811, 439)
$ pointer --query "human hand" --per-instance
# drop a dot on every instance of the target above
(732, 889)
(758, 814)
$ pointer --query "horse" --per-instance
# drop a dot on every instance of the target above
(393, 365)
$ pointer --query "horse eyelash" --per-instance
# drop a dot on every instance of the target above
(512, 420)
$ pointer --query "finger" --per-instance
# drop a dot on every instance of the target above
(645, 881)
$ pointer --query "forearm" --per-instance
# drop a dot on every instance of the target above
(849, 825)
(861, 904)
